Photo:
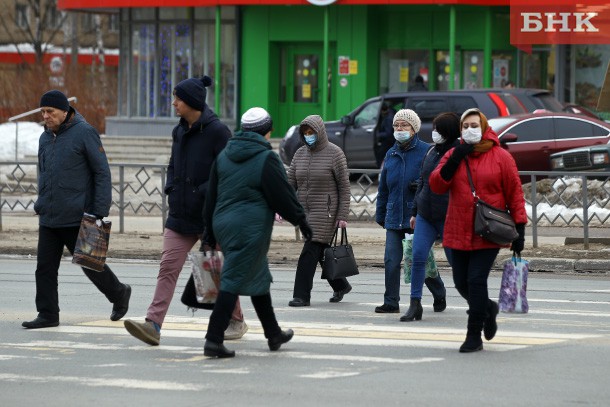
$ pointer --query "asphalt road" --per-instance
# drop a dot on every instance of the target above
(342, 354)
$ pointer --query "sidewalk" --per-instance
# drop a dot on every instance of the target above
(144, 241)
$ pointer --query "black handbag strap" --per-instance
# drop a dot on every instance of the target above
(474, 193)
(333, 240)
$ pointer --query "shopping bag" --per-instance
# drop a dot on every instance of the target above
(92, 243)
(206, 268)
(431, 267)
(339, 260)
(514, 286)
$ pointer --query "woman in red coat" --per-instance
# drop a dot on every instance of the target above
(496, 182)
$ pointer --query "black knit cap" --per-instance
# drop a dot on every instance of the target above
(192, 91)
(56, 99)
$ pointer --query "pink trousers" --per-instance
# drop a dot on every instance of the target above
(175, 251)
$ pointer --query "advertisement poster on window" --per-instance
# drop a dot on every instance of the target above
(500, 72)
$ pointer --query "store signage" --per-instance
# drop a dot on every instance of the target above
(321, 2)
(343, 65)
(558, 22)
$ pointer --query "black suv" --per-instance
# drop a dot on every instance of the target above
(356, 133)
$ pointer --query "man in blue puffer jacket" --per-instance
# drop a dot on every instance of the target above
(73, 179)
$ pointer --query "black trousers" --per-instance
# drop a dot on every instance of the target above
(470, 272)
(51, 242)
(225, 304)
(311, 255)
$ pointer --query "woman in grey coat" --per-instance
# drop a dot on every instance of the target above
(319, 174)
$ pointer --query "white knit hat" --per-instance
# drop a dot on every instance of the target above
(408, 116)
(257, 120)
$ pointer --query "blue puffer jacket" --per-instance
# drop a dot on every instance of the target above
(400, 170)
(194, 150)
(73, 174)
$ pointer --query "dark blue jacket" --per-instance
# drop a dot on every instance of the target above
(431, 206)
(394, 197)
(193, 152)
(73, 174)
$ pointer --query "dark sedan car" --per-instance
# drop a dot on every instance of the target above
(358, 132)
(532, 138)
(593, 158)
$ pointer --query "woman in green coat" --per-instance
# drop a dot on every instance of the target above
(247, 186)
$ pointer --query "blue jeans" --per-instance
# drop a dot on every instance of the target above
(423, 238)
(392, 260)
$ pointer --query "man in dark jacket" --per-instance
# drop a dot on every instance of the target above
(73, 179)
(248, 185)
(197, 139)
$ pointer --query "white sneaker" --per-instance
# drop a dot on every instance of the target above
(235, 330)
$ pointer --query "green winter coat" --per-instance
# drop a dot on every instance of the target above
(247, 186)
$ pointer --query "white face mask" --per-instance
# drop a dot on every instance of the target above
(437, 138)
(402, 136)
(472, 135)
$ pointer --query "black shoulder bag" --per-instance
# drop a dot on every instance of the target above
(491, 223)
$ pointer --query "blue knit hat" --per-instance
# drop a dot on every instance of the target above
(192, 91)
(56, 99)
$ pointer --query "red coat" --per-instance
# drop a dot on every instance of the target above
(496, 181)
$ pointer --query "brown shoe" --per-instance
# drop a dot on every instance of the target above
(144, 331)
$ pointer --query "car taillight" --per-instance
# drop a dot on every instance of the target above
(502, 108)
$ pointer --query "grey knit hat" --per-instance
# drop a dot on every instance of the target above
(257, 120)
(408, 116)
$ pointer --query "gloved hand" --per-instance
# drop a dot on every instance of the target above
(452, 164)
(382, 224)
(306, 230)
(99, 217)
(519, 243)
(208, 241)
(342, 224)
(413, 186)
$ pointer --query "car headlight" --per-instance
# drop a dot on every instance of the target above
(290, 132)
(599, 158)
(557, 163)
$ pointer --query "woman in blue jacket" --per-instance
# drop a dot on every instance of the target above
(395, 199)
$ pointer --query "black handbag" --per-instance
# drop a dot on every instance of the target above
(339, 260)
(493, 224)
(189, 296)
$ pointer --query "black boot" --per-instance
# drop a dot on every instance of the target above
(414, 312)
(491, 326)
(473, 342)
(217, 350)
(280, 339)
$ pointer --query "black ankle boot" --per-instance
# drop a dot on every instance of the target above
(473, 342)
(491, 326)
(414, 312)
(280, 339)
(217, 350)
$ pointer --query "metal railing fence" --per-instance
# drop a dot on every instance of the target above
(579, 199)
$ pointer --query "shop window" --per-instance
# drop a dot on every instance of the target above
(164, 53)
(305, 78)
(398, 69)
(443, 69)
(473, 70)
(21, 15)
(113, 22)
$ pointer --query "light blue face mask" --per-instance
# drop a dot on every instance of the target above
(311, 139)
